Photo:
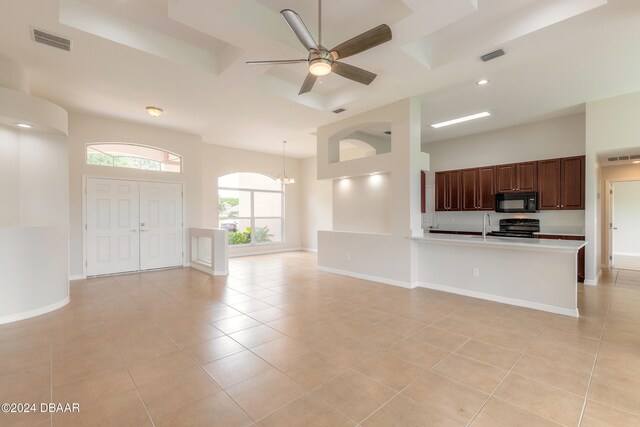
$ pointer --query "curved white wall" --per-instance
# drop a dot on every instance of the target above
(34, 219)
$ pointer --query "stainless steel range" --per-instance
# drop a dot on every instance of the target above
(518, 227)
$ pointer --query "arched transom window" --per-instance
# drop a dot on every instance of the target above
(133, 156)
(250, 206)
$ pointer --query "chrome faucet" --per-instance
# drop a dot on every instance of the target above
(484, 224)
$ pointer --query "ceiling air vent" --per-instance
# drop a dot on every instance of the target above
(631, 157)
(49, 39)
(339, 110)
(492, 55)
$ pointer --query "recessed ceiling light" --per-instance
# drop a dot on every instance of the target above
(482, 82)
(461, 119)
(154, 111)
(24, 125)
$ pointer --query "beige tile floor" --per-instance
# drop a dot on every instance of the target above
(280, 343)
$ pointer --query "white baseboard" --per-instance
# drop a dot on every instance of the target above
(593, 282)
(626, 254)
(77, 277)
(265, 252)
(310, 250)
(35, 312)
(384, 280)
(504, 300)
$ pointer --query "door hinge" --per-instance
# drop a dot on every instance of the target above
(85, 227)
(610, 258)
(610, 191)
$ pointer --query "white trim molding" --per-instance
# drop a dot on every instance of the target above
(267, 252)
(384, 280)
(504, 300)
(76, 277)
(35, 312)
(593, 282)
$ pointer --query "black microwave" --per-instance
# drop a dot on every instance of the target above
(517, 202)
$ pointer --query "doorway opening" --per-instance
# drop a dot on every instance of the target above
(624, 224)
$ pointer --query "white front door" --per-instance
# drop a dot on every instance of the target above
(112, 226)
(132, 226)
(161, 236)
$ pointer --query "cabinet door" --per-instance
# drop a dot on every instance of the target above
(505, 178)
(423, 189)
(486, 188)
(455, 187)
(470, 189)
(442, 186)
(527, 173)
(572, 193)
(549, 184)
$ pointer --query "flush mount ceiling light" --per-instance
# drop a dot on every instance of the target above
(482, 82)
(284, 179)
(24, 125)
(461, 119)
(154, 111)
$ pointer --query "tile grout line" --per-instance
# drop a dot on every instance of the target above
(595, 361)
(505, 377)
(418, 378)
(144, 404)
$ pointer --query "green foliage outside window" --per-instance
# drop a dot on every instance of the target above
(244, 237)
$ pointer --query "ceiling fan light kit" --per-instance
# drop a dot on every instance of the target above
(322, 61)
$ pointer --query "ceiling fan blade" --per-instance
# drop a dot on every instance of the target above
(277, 61)
(372, 38)
(298, 27)
(308, 83)
(353, 73)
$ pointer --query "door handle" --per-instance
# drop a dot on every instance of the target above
(615, 228)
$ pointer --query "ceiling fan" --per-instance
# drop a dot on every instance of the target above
(322, 61)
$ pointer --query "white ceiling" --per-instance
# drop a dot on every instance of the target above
(187, 56)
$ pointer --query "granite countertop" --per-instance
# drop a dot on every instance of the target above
(556, 230)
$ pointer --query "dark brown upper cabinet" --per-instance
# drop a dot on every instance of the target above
(516, 177)
(561, 183)
(487, 188)
(448, 189)
(478, 189)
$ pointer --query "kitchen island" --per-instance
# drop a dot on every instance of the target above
(534, 273)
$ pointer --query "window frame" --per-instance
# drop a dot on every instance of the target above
(252, 218)
(92, 145)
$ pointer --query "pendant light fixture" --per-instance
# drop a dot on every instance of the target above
(284, 179)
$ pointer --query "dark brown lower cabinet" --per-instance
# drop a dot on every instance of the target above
(580, 252)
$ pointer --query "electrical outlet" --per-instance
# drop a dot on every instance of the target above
(476, 272)
(348, 257)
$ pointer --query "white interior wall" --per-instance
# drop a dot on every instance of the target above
(317, 203)
(44, 193)
(9, 176)
(362, 204)
(626, 218)
(85, 129)
(611, 124)
(546, 139)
